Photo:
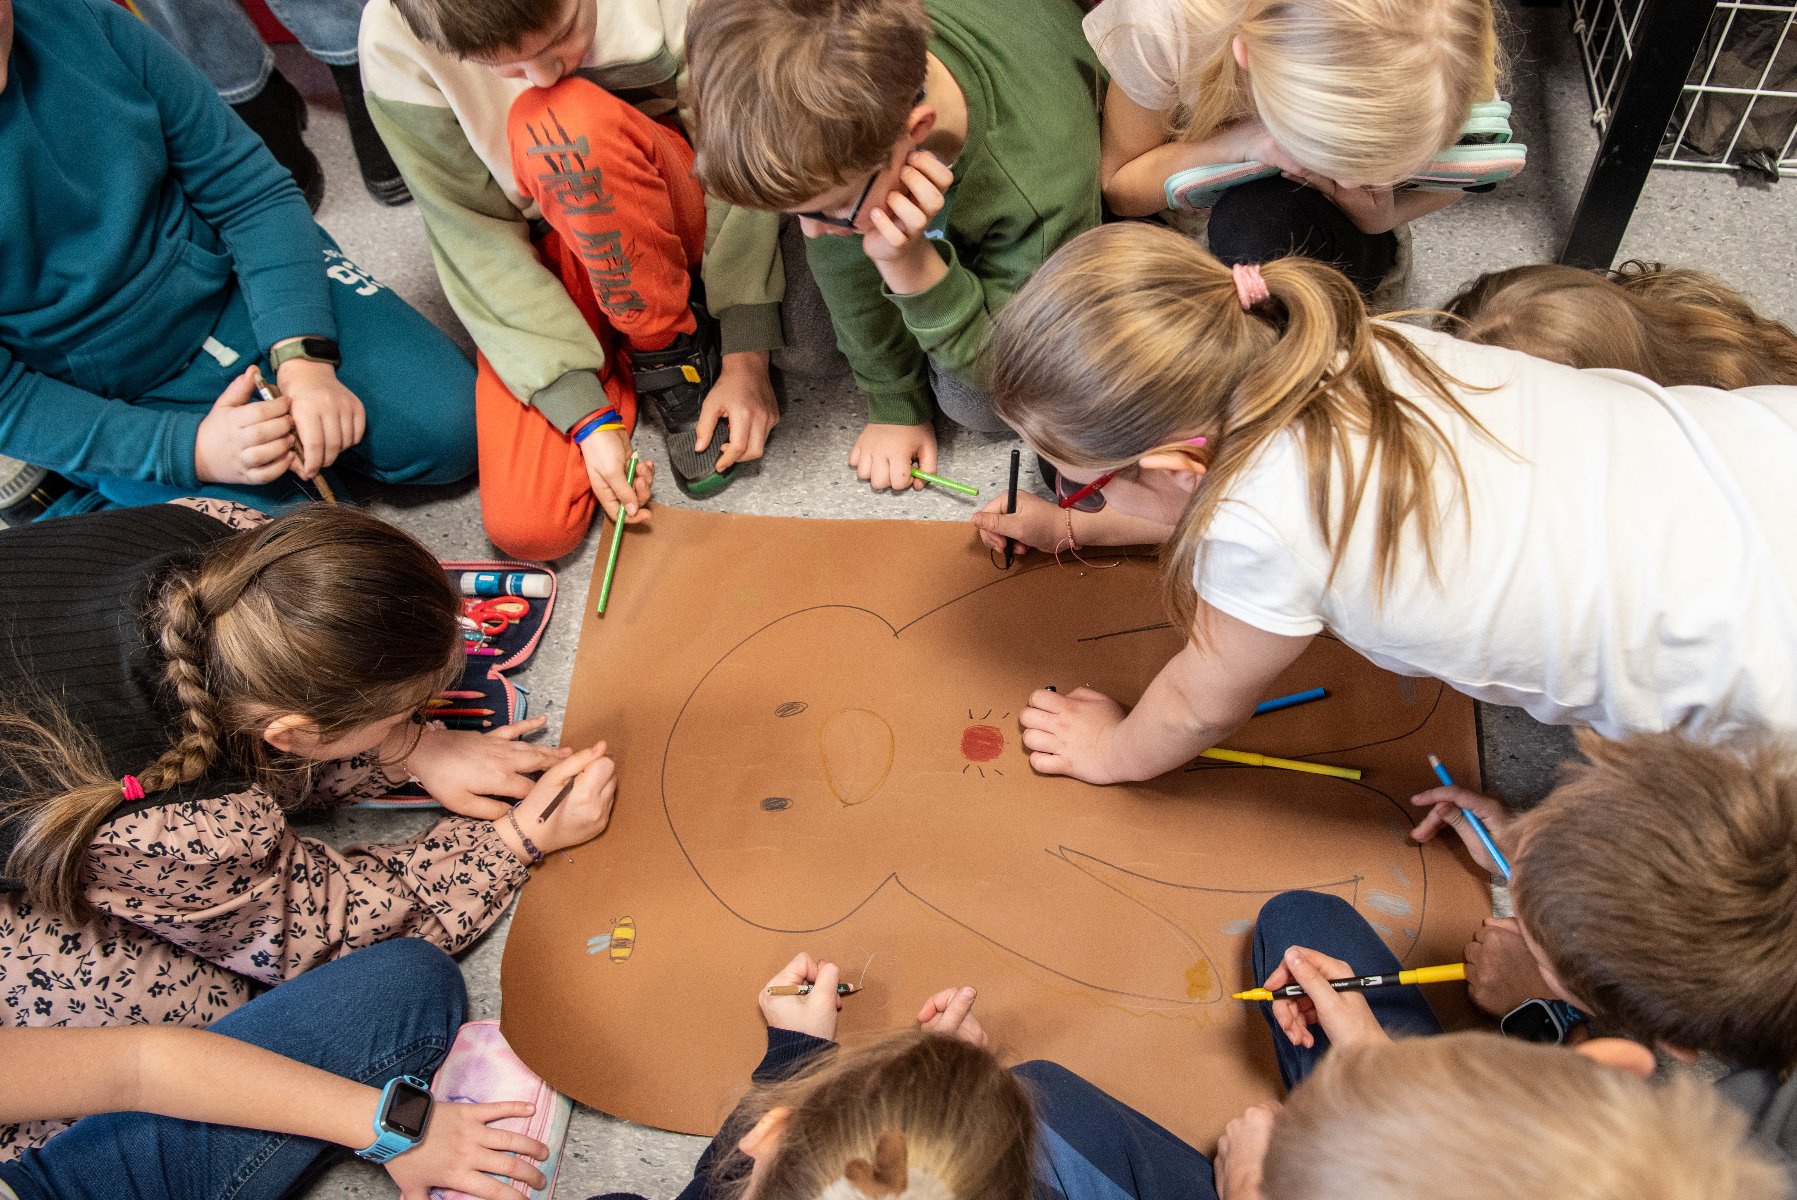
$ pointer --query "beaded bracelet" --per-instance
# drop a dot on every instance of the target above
(530, 847)
(603, 419)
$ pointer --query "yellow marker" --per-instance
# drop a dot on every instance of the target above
(1250, 759)
(1450, 973)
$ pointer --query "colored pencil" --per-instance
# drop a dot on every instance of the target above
(1472, 819)
(268, 391)
(461, 695)
(617, 540)
(460, 712)
(484, 651)
(1296, 698)
(559, 797)
(966, 489)
(804, 989)
(1011, 504)
(1249, 759)
(1450, 973)
(466, 723)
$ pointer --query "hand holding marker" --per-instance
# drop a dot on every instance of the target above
(1473, 822)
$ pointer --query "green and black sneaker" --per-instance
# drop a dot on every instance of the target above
(671, 385)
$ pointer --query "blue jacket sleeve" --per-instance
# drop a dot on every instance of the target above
(91, 434)
(787, 1053)
(235, 185)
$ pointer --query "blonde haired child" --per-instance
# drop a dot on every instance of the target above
(1346, 97)
(1671, 324)
(1586, 545)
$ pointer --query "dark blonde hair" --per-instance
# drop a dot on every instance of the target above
(1130, 336)
(962, 1117)
(1361, 90)
(1477, 1117)
(478, 28)
(326, 613)
(795, 97)
(1664, 869)
(1674, 326)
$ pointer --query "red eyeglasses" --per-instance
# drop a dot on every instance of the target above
(1091, 497)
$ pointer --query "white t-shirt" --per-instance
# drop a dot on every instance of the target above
(1142, 44)
(1630, 566)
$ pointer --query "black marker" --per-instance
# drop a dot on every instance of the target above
(1011, 503)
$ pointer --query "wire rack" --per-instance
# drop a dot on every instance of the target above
(1738, 110)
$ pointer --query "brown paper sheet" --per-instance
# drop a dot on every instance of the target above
(816, 729)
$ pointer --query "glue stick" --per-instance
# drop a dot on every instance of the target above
(505, 583)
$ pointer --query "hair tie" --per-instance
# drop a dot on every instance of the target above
(1250, 288)
(131, 787)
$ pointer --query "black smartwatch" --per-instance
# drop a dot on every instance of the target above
(1549, 1021)
(312, 349)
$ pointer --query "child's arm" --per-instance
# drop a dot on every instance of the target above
(1041, 525)
(1197, 700)
(194, 1075)
(1138, 156)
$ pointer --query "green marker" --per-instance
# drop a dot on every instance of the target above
(939, 481)
(617, 539)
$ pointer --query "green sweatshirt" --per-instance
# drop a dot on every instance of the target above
(1026, 182)
(445, 122)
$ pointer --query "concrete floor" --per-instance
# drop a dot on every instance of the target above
(1748, 235)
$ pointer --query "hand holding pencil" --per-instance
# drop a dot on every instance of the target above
(813, 1013)
(1448, 808)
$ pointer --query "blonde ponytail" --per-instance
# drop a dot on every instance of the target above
(1131, 337)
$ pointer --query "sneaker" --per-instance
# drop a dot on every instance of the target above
(671, 385)
(380, 175)
(28, 493)
(278, 115)
(1393, 291)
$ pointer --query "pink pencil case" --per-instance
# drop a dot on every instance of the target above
(481, 1069)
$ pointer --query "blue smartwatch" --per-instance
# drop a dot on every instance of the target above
(399, 1119)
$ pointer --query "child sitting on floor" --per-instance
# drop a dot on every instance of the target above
(935, 154)
(1653, 890)
(1448, 510)
(187, 686)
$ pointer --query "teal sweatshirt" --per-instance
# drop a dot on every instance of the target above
(133, 203)
(1025, 183)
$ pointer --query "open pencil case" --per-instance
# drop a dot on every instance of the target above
(485, 697)
(1483, 157)
(481, 1068)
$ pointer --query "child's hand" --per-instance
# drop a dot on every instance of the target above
(1345, 1016)
(464, 770)
(1242, 1152)
(884, 454)
(814, 1014)
(1448, 807)
(1500, 971)
(462, 1151)
(1037, 524)
(582, 814)
(1070, 734)
(744, 396)
(951, 1011)
(244, 441)
(607, 456)
(897, 244)
(327, 417)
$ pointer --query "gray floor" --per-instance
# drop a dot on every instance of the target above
(1747, 235)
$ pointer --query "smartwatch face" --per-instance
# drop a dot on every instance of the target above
(1531, 1021)
(406, 1114)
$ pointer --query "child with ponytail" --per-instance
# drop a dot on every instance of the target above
(1589, 546)
(1672, 324)
(175, 688)
(1346, 98)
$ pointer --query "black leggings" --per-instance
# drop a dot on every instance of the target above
(1276, 218)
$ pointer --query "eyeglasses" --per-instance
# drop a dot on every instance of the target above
(1090, 498)
(848, 222)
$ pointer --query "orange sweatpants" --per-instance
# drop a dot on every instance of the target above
(627, 227)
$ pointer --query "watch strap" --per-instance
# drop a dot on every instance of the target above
(390, 1143)
(312, 349)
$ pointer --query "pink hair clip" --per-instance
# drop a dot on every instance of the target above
(131, 787)
(1250, 288)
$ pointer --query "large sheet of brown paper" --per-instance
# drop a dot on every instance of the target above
(816, 729)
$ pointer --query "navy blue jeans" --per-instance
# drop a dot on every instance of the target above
(386, 1010)
(1329, 925)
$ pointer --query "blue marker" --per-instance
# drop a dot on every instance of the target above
(1274, 705)
(1472, 818)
